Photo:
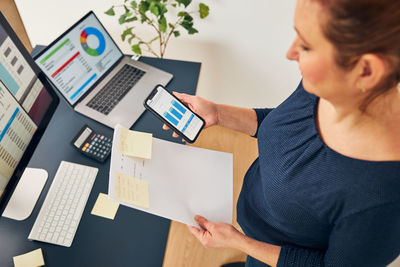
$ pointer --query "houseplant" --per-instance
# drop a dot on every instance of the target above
(166, 17)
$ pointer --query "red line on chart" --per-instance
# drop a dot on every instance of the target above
(65, 64)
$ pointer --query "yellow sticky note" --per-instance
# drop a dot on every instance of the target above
(135, 144)
(105, 207)
(131, 190)
(30, 259)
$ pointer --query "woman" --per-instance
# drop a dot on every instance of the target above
(325, 190)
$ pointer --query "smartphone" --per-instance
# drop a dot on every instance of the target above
(174, 113)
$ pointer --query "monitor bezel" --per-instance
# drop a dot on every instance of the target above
(23, 163)
(45, 49)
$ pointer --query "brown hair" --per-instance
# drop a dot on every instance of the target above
(357, 27)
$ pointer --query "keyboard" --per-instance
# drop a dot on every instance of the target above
(63, 206)
(112, 93)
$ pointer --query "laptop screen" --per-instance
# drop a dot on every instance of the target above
(79, 57)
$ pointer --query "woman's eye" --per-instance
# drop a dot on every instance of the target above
(305, 48)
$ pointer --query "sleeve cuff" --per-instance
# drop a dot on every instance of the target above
(261, 114)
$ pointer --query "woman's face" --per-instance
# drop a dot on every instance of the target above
(315, 55)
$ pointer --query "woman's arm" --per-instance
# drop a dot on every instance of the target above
(218, 235)
(239, 119)
(368, 238)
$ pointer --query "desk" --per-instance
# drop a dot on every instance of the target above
(133, 238)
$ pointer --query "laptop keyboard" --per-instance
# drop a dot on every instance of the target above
(110, 95)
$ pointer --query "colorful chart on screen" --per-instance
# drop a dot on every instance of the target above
(93, 51)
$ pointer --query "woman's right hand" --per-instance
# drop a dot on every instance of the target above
(204, 108)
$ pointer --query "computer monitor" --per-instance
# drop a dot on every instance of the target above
(27, 102)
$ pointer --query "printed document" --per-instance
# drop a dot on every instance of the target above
(177, 183)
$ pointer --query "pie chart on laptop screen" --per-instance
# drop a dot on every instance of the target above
(91, 36)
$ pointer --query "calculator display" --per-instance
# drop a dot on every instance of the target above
(85, 134)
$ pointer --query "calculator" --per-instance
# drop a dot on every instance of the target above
(94, 145)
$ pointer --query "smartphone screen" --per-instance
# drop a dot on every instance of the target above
(174, 113)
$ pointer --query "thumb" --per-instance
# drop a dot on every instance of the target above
(183, 97)
(203, 222)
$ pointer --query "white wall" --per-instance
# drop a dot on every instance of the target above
(241, 45)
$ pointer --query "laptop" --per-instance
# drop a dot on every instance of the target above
(90, 71)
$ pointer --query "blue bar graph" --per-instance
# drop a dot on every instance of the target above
(178, 106)
(175, 113)
(171, 119)
(9, 124)
(187, 123)
(83, 86)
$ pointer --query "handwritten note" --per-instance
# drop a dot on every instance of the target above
(30, 259)
(105, 207)
(135, 144)
(131, 190)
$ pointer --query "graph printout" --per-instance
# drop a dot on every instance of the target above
(79, 58)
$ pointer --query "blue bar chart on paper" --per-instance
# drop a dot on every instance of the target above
(176, 113)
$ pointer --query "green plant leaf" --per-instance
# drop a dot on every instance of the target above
(177, 33)
(134, 4)
(204, 10)
(136, 49)
(154, 39)
(162, 8)
(123, 18)
(126, 33)
(184, 2)
(131, 38)
(126, 9)
(192, 31)
(182, 14)
(131, 19)
(174, 5)
(110, 12)
(144, 6)
(188, 18)
(162, 23)
(154, 9)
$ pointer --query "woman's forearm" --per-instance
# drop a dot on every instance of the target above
(239, 119)
(261, 251)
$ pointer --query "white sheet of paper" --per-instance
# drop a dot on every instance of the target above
(183, 181)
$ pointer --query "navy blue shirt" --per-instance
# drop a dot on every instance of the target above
(321, 207)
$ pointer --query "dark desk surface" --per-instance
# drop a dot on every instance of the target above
(133, 238)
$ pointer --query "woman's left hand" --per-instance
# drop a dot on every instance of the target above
(215, 235)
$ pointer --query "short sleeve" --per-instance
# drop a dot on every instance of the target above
(261, 114)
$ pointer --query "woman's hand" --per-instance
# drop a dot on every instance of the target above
(215, 235)
(204, 108)
(223, 235)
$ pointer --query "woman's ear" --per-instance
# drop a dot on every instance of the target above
(371, 70)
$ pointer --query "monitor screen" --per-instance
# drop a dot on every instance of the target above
(79, 58)
(26, 105)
